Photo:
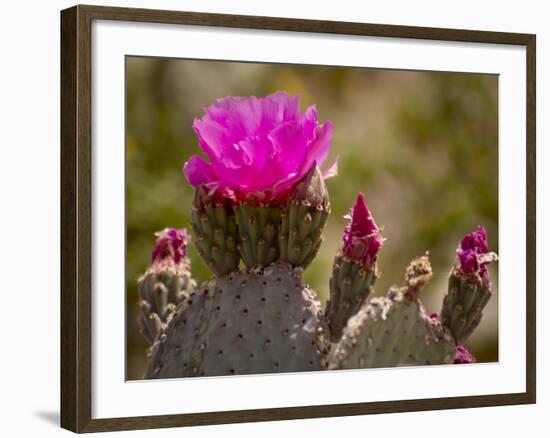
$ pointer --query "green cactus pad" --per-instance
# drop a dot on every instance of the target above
(392, 331)
(395, 330)
(263, 321)
(258, 228)
(303, 220)
(350, 284)
(463, 305)
(216, 234)
(160, 293)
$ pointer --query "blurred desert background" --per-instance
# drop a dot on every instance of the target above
(421, 146)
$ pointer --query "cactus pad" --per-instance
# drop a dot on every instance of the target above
(463, 305)
(258, 228)
(263, 321)
(350, 284)
(216, 233)
(393, 331)
(303, 220)
(160, 293)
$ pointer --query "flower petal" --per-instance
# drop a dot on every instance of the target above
(289, 144)
(211, 136)
(198, 171)
(278, 108)
(332, 169)
(319, 146)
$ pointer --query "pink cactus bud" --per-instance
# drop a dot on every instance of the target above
(362, 238)
(473, 253)
(258, 148)
(463, 356)
(171, 246)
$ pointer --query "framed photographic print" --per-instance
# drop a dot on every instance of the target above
(291, 214)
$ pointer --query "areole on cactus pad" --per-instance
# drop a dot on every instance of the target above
(260, 208)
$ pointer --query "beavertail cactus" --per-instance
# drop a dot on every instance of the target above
(260, 208)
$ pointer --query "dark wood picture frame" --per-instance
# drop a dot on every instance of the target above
(76, 217)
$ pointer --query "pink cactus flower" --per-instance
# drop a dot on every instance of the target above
(473, 253)
(171, 246)
(463, 356)
(257, 148)
(362, 238)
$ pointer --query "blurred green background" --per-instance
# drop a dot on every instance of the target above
(422, 146)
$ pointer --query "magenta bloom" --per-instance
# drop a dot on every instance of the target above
(362, 238)
(473, 253)
(258, 148)
(171, 246)
(463, 356)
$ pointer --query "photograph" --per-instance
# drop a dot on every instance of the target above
(289, 218)
(275, 220)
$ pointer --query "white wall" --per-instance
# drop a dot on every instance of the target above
(29, 173)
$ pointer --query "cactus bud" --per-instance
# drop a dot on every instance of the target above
(216, 232)
(303, 219)
(463, 356)
(362, 238)
(166, 282)
(170, 249)
(258, 230)
(354, 271)
(469, 285)
(473, 256)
